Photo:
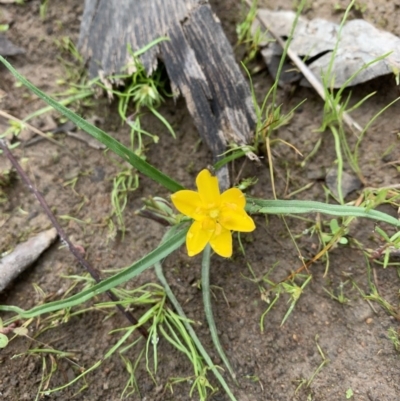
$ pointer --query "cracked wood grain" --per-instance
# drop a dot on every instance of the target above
(198, 58)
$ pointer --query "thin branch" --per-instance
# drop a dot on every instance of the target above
(63, 237)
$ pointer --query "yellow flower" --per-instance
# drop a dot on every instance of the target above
(214, 215)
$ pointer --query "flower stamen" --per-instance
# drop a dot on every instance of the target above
(214, 213)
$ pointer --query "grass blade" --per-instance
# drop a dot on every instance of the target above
(118, 148)
(162, 251)
(205, 288)
(296, 207)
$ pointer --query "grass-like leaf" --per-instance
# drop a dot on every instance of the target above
(205, 288)
(158, 254)
(295, 207)
(118, 148)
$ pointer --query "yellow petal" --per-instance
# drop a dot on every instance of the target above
(208, 189)
(221, 242)
(188, 203)
(236, 220)
(233, 198)
(197, 237)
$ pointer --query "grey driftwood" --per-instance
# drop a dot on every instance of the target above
(198, 58)
(24, 254)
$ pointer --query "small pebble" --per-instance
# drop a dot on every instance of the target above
(369, 320)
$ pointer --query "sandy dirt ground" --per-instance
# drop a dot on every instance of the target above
(276, 364)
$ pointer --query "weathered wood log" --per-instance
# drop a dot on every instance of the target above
(198, 58)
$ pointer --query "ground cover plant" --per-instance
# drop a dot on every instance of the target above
(300, 280)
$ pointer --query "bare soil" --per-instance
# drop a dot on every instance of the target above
(269, 365)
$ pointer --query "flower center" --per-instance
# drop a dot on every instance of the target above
(213, 213)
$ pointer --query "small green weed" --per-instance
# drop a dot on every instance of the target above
(394, 337)
(339, 295)
(307, 382)
(44, 5)
(125, 182)
(251, 40)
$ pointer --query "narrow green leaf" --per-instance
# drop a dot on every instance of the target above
(233, 156)
(150, 45)
(382, 234)
(3, 340)
(121, 150)
(294, 207)
(205, 288)
(166, 248)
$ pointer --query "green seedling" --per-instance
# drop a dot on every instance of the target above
(336, 231)
(324, 362)
(3, 336)
(339, 294)
(144, 92)
(391, 246)
(131, 386)
(124, 183)
(137, 135)
(247, 183)
(46, 375)
(16, 127)
(373, 294)
(376, 297)
(65, 44)
(295, 292)
(396, 73)
(394, 337)
(72, 180)
(44, 5)
(255, 379)
(330, 240)
(286, 287)
(249, 38)
(201, 381)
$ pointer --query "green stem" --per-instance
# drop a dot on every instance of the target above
(205, 287)
(189, 328)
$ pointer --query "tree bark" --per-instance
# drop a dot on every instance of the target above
(198, 58)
